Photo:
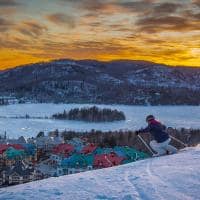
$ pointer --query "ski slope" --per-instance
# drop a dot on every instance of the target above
(174, 177)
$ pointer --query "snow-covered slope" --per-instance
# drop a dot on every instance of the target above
(170, 177)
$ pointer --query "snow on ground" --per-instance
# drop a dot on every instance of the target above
(175, 116)
(174, 177)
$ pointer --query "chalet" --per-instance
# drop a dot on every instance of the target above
(77, 143)
(107, 160)
(16, 146)
(115, 159)
(3, 148)
(99, 151)
(130, 154)
(14, 154)
(78, 161)
(55, 159)
(90, 148)
(30, 149)
(45, 142)
(50, 168)
(20, 173)
(63, 149)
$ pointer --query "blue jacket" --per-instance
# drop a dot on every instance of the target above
(157, 130)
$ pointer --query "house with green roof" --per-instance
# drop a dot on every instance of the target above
(130, 154)
(78, 161)
(103, 151)
(14, 154)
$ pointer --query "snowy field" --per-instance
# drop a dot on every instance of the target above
(175, 116)
(174, 177)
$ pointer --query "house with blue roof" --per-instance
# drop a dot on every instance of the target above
(130, 154)
(77, 163)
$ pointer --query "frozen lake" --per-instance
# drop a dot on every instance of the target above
(175, 116)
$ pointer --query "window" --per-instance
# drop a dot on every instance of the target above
(15, 178)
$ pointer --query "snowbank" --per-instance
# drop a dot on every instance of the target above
(170, 177)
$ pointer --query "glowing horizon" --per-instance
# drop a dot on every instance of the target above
(160, 31)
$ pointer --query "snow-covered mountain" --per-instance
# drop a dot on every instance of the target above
(168, 177)
(89, 81)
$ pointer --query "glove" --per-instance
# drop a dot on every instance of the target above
(137, 132)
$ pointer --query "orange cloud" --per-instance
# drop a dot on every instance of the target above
(153, 30)
(10, 58)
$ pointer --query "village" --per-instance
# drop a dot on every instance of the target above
(25, 160)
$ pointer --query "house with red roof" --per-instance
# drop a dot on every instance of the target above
(107, 160)
(90, 148)
(3, 147)
(16, 146)
(63, 149)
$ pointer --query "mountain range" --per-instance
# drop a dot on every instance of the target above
(113, 82)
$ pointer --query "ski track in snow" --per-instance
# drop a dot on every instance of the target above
(174, 177)
(135, 194)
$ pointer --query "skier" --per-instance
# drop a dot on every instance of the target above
(161, 141)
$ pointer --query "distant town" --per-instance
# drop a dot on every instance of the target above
(61, 153)
(24, 160)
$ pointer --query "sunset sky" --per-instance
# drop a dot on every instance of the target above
(154, 30)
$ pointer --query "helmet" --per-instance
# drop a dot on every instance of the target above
(149, 117)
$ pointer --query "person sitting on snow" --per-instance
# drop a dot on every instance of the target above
(161, 141)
